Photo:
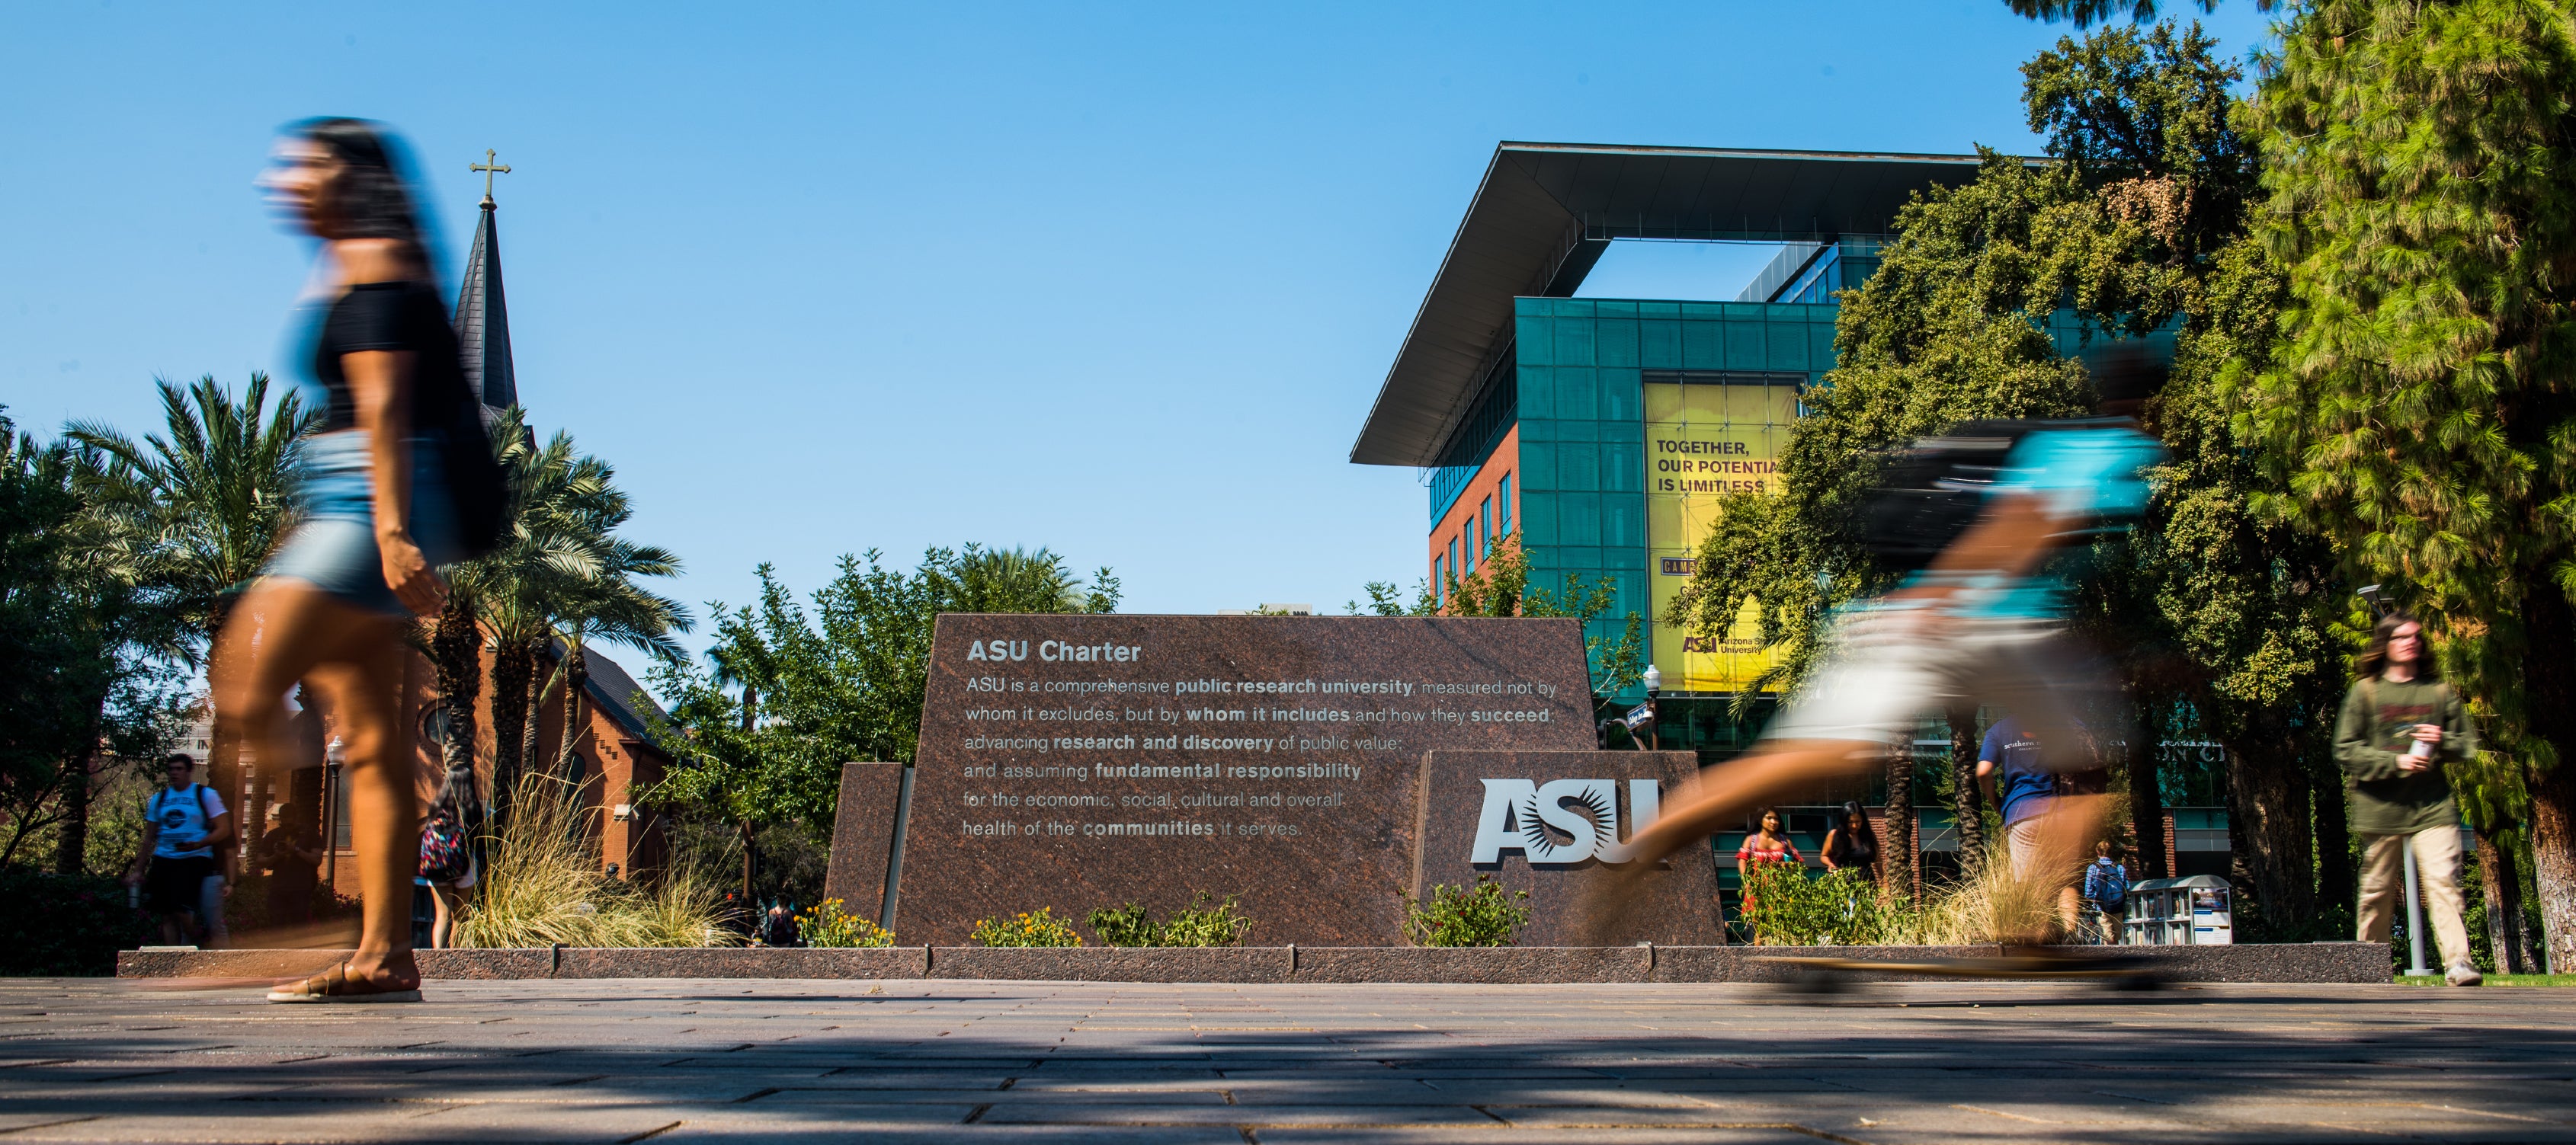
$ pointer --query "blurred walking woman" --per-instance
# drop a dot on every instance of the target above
(376, 521)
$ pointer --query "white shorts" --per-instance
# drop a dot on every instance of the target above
(1884, 669)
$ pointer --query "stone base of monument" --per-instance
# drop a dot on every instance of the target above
(2304, 962)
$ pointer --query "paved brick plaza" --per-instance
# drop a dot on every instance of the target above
(962, 1062)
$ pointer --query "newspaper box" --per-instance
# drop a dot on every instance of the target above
(2193, 911)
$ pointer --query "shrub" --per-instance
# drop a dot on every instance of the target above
(1786, 908)
(543, 886)
(1194, 925)
(826, 924)
(1040, 929)
(1200, 925)
(1483, 915)
(1124, 926)
(64, 925)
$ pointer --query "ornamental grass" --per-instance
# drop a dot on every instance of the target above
(542, 885)
(1787, 907)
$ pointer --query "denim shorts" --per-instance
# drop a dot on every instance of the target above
(333, 544)
(1884, 667)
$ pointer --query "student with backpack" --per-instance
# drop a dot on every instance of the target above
(447, 866)
(2400, 723)
(2106, 891)
(183, 823)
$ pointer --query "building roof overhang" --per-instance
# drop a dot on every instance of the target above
(1544, 214)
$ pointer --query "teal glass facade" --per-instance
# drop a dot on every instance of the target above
(1571, 382)
(1581, 364)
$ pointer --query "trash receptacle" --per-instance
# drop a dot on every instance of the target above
(2197, 910)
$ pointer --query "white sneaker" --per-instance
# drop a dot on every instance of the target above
(2463, 974)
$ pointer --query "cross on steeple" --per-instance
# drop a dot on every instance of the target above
(489, 169)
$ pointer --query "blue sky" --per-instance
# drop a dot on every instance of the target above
(1119, 280)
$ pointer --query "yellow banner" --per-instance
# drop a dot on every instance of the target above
(1704, 440)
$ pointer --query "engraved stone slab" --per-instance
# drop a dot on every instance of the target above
(1076, 762)
(1553, 823)
(863, 836)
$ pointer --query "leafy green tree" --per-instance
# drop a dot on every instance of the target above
(1500, 586)
(2421, 410)
(89, 650)
(789, 694)
(213, 493)
(2085, 13)
(49, 667)
(2231, 615)
(2135, 229)
(977, 579)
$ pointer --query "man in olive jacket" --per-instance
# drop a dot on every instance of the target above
(2400, 724)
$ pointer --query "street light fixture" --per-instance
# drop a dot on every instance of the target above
(1654, 716)
(332, 758)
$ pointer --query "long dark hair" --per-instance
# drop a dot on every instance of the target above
(1851, 812)
(2374, 657)
(373, 197)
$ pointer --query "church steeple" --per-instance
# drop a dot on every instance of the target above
(482, 313)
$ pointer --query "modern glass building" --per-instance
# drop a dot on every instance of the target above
(1602, 430)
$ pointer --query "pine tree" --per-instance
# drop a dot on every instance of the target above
(2417, 162)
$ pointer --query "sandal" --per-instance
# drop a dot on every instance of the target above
(335, 985)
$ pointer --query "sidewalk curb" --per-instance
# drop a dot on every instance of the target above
(2305, 962)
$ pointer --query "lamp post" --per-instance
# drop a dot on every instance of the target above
(332, 757)
(1654, 716)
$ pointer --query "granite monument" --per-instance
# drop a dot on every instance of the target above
(1553, 824)
(1083, 761)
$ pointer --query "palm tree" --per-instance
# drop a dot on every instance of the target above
(516, 589)
(978, 579)
(609, 605)
(215, 496)
(560, 572)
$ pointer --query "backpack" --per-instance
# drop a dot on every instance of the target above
(1932, 491)
(443, 855)
(2106, 887)
(478, 488)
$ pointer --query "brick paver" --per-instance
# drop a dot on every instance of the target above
(956, 1063)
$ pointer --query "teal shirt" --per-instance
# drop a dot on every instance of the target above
(2096, 471)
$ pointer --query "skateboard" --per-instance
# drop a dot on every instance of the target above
(2116, 971)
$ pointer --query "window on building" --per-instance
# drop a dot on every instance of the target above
(1503, 506)
(1453, 556)
(1485, 523)
(1467, 538)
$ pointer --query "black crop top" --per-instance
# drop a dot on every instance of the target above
(395, 316)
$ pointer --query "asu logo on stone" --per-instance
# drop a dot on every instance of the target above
(1562, 821)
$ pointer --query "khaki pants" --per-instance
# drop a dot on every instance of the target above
(2437, 870)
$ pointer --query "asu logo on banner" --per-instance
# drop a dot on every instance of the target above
(1562, 821)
